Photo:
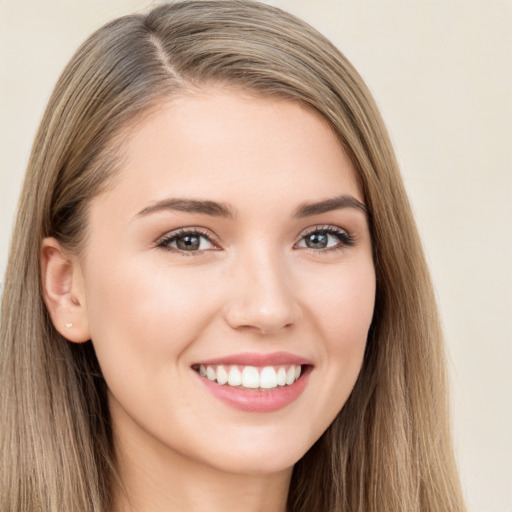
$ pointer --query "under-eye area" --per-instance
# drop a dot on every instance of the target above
(253, 377)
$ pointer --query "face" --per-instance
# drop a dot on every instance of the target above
(232, 253)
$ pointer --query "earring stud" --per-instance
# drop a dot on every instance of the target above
(69, 325)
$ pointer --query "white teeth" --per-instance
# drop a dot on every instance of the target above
(222, 375)
(235, 376)
(250, 377)
(268, 378)
(290, 375)
(281, 377)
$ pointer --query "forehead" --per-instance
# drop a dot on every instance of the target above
(231, 146)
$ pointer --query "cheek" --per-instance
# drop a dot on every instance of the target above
(343, 304)
(343, 309)
(145, 312)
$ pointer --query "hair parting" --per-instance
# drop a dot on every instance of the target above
(389, 449)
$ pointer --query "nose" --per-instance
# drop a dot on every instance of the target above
(263, 298)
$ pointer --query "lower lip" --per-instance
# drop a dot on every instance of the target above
(254, 400)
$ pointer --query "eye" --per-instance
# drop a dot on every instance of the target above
(321, 238)
(186, 240)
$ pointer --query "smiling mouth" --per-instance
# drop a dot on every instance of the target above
(264, 378)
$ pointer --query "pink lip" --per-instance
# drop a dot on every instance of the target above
(254, 400)
(256, 359)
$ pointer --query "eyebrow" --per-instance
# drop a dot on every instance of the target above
(212, 208)
(328, 205)
(216, 209)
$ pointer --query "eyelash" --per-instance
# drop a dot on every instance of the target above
(344, 239)
(165, 242)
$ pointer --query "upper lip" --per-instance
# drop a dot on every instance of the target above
(257, 359)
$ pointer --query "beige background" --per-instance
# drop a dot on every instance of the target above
(441, 72)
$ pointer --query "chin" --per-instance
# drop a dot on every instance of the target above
(261, 455)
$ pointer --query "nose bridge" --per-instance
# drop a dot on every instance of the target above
(263, 296)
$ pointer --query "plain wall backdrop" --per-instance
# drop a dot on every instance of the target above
(441, 72)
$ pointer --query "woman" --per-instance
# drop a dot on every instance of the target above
(216, 295)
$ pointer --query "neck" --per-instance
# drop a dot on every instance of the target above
(163, 480)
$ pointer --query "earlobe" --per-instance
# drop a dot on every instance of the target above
(63, 291)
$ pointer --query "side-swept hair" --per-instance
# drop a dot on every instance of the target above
(389, 449)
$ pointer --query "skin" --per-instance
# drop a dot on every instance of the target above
(152, 311)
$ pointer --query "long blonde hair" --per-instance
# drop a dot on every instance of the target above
(389, 449)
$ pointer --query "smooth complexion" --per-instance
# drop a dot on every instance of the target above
(234, 231)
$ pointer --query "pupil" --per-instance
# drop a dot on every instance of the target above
(188, 243)
(317, 241)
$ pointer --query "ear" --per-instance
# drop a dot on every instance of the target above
(63, 291)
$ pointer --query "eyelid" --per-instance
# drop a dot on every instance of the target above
(330, 229)
(194, 230)
(323, 227)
